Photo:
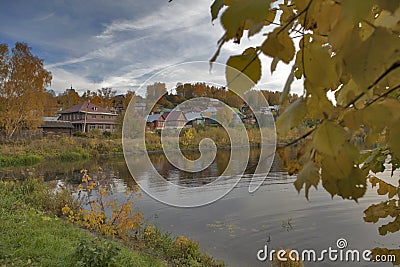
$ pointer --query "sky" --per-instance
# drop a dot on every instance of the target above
(119, 44)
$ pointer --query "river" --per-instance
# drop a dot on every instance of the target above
(236, 227)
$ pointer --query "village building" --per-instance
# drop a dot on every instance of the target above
(51, 126)
(194, 119)
(86, 116)
(155, 121)
(174, 119)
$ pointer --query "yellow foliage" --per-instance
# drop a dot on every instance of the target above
(98, 197)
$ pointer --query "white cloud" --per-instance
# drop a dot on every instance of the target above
(124, 52)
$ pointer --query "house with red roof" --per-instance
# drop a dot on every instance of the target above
(174, 119)
(87, 116)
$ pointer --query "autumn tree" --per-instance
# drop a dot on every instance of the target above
(348, 47)
(50, 105)
(68, 98)
(129, 96)
(23, 80)
(106, 95)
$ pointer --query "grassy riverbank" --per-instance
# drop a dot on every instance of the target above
(31, 237)
(36, 231)
(29, 152)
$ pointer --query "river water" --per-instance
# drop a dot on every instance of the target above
(236, 227)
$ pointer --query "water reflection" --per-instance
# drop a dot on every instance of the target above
(237, 226)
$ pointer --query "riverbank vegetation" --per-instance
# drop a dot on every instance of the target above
(19, 160)
(28, 152)
(45, 224)
(32, 235)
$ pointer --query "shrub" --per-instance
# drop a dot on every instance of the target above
(96, 253)
(39, 194)
(107, 134)
(80, 134)
(180, 251)
(96, 195)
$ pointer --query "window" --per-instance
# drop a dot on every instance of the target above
(91, 127)
(102, 116)
(93, 116)
(108, 127)
(100, 126)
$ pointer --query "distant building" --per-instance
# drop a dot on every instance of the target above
(210, 115)
(52, 126)
(194, 119)
(174, 119)
(86, 116)
(155, 121)
(140, 108)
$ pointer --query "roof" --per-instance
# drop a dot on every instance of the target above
(57, 124)
(164, 110)
(174, 116)
(153, 117)
(140, 105)
(210, 110)
(193, 116)
(103, 121)
(86, 107)
(50, 118)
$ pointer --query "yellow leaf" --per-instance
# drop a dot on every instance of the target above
(329, 138)
(367, 61)
(390, 5)
(292, 116)
(318, 105)
(280, 45)
(388, 20)
(392, 191)
(319, 65)
(356, 10)
(215, 8)
(274, 63)
(373, 114)
(383, 188)
(309, 176)
(301, 4)
(340, 33)
(287, 13)
(348, 93)
(243, 71)
(235, 16)
(270, 16)
(327, 17)
(394, 139)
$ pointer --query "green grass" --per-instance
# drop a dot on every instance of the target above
(29, 237)
(73, 156)
(19, 160)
